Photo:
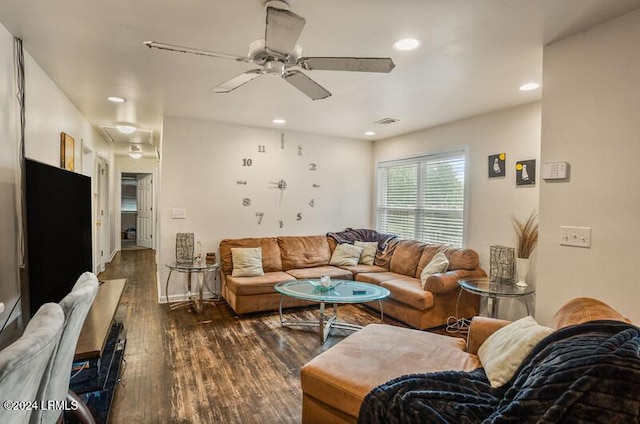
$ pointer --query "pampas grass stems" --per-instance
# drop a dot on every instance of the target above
(526, 234)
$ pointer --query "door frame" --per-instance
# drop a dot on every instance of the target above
(154, 201)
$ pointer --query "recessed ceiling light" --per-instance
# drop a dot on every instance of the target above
(406, 44)
(369, 133)
(116, 99)
(279, 121)
(135, 155)
(529, 86)
(126, 127)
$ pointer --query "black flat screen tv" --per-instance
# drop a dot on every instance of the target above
(58, 233)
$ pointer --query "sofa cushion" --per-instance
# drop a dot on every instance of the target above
(409, 292)
(319, 271)
(247, 261)
(438, 264)
(458, 258)
(406, 257)
(369, 249)
(270, 252)
(503, 351)
(378, 277)
(360, 268)
(246, 286)
(583, 309)
(346, 254)
(304, 251)
(342, 376)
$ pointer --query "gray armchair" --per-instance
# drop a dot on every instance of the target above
(75, 306)
(25, 364)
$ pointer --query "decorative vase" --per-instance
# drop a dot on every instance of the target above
(522, 269)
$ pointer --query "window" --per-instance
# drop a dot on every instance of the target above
(423, 198)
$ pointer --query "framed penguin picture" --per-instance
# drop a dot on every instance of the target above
(496, 165)
(526, 172)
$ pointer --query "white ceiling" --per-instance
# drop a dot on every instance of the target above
(473, 57)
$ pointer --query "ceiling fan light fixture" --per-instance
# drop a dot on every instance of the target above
(529, 86)
(116, 99)
(406, 44)
(126, 127)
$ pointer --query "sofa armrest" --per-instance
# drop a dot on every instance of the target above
(447, 281)
(480, 329)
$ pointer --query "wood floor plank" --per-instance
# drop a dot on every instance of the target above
(216, 367)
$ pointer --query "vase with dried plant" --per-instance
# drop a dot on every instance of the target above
(527, 240)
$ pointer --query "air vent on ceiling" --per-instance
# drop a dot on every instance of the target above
(138, 137)
(386, 121)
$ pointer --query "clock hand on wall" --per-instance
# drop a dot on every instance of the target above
(280, 185)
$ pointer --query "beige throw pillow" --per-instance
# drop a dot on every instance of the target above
(369, 249)
(346, 255)
(247, 261)
(503, 351)
(439, 263)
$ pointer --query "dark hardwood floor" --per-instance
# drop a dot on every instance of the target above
(210, 368)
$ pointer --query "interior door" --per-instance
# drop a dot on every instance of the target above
(144, 227)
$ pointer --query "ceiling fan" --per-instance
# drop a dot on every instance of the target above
(278, 52)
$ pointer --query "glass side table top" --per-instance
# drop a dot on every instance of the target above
(193, 266)
(342, 291)
(495, 287)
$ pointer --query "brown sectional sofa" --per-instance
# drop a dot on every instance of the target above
(302, 257)
(335, 383)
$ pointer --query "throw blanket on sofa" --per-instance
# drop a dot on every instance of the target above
(588, 373)
(385, 248)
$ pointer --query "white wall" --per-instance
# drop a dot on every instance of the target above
(9, 174)
(203, 161)
(491, 202)
(590, 119)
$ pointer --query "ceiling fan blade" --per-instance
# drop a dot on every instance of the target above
(358, 64)
(189, 50)
(305, 84)
(236, 82)
(283, 30)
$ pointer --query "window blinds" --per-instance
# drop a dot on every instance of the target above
(423, 198)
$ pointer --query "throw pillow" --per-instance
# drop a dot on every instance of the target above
(439, 263)
(503, 351)
(369, 249)
(247, 261)
(346, 255)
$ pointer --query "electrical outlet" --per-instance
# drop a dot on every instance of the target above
(178, 214)
(575, 236)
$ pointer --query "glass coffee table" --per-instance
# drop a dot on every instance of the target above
(340, 291)
(495, 288)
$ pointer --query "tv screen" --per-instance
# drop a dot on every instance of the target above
(58, 226)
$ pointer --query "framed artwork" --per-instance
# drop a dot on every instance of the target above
(496, 165)
(66, 151)
(526, 172)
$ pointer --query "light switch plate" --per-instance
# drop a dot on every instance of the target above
(575, 236)
(178, 214)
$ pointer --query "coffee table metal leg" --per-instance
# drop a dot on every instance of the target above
(321, 323)
(280, 309)
(381, 311)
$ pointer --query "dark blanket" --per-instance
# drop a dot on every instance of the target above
(587, 373)
(349, 235)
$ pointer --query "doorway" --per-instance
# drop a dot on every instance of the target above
(136, 209)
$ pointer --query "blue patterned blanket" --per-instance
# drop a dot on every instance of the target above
(587, 373)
